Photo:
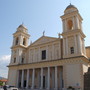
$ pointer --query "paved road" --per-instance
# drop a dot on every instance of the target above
(1, 88)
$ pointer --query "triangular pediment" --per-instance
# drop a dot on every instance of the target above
(43, 39)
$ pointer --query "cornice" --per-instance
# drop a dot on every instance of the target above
(46, 43)
(73, 32)
(51, 63)
(18, 46)
(66, 16)
(18, 33)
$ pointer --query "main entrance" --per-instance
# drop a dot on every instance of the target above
(46, 78)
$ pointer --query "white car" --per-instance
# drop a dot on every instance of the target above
(12, 88)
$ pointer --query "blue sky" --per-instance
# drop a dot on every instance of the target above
(37, 16)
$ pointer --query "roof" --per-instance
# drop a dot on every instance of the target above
(70, 6)
(3, 80)
(22, 26)
(43, 40)
(87, 47)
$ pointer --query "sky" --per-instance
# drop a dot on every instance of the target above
(37, 16)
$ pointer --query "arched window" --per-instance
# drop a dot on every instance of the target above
(24, 41)
(15, 60)
(70, 24)
(17, 40)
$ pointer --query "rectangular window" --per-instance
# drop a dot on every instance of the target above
(43, 54)
(72, 50)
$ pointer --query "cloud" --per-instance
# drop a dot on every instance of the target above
(5, 57)
(4, 61)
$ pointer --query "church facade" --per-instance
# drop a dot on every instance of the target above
(50, 63)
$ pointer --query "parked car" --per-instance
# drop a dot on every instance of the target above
(11, 87)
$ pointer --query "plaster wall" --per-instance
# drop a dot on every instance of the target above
(12, 77)
(73, 75)
(88, 52)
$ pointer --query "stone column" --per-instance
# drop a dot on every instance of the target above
(20, 40)
(18, 59)
(22, 79)
(84, 47)
(52, 51)
(39, 54)
(41, 78)
(63, 25)
(12, 54)
(34, 54)
(27, 78)
(75, 49)
(77, 23)
(56, 83)
(66, 45)
(74, 23)
(33, 77)
(47, 53)
(59, 51)
(48, 79)
(27, 40)
(79, 44)
(17, 85)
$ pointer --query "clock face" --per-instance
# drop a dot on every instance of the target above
(70, 24)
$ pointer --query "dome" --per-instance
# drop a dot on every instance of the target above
(70, 6)
(22, 28)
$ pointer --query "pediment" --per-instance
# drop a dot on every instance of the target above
(43, 39)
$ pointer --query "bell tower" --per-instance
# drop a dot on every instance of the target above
(20, 43)
(73, 36)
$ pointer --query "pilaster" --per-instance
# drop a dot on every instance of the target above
(47, 53)
(75, 38)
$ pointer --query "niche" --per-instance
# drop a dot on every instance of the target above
(70, 25)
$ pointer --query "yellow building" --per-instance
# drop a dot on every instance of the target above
(50, 63)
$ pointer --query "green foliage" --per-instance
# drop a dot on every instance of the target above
(1, 83)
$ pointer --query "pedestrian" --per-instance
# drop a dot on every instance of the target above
(5, 87)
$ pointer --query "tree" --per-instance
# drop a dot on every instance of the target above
(1, 83)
